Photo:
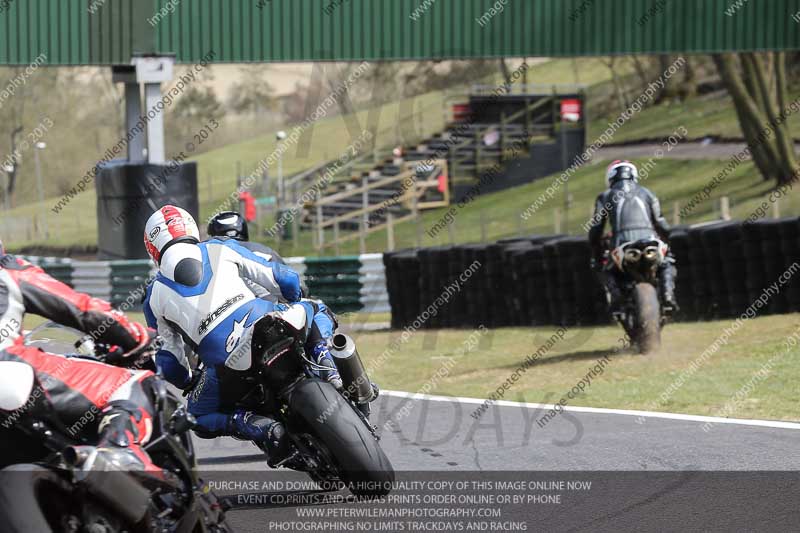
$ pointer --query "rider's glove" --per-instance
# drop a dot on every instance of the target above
(141, 356)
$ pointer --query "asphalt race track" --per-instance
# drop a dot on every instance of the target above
(440, 438)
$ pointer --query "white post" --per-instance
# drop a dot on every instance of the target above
(390, 232)
(365, 202)
(725, 208)
(336, 237)
(320, 229)
(362, 237)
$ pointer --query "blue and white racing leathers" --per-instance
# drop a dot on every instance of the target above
(203, 304)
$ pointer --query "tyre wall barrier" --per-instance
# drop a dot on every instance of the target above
(349, 283)
(353, 283)
(723, 268)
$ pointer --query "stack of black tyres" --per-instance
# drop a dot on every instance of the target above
(519, 282)
(701, 267)
(679, 247)
(774, 263)
(475, 308)
(433, 277)
(733, 267)
(469, 305)
(755, 266)
(526, 280)
(453, 312)
(790, 249)
(723, 267)
(572, 255)
(716, 239)
(490, 276)
(540, 310)
(554, 280)
(404, 290)
(402, 284)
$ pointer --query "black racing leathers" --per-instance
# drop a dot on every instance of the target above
(259, 249)
(633, 213)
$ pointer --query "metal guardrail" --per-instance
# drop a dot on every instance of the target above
(350, 283)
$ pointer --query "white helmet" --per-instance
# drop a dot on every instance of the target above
(167, 226)
(621, 170)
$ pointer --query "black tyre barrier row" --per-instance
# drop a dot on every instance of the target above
(546, 280)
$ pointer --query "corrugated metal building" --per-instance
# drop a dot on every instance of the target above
(110, 31)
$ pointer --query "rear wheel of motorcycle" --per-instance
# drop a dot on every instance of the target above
(648, 318)
(37, 498)
(359, 459)
(20, 508)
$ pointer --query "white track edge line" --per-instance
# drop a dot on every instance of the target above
(598, 410)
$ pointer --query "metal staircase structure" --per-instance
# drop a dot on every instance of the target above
(394, 184)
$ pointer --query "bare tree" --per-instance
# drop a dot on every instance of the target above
(506, 73)
(622, 97)
(762, 111)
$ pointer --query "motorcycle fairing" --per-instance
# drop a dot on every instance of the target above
(16, 384)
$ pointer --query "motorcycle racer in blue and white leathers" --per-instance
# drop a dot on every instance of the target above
(203, 306)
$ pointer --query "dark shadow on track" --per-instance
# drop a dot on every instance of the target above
(232, 459)
(574, 356)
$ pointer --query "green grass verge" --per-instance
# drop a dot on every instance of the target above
(630, 381)
(701, 116)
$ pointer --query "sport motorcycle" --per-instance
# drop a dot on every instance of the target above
(329, 432)
(62, 483)
(640, 314)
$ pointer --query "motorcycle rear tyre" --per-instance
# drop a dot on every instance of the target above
(361, 462)
(648, 318)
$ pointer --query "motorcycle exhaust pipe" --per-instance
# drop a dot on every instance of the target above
(356, 382)
(632, 255)
(651, 253)
(114, 487)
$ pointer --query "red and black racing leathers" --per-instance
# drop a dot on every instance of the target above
(26, 288)
(93, 402)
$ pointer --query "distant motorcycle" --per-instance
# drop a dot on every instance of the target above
(331, 437)
(641, 314)
(68, 486)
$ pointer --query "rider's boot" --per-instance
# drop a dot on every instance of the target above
(120, 436)
(267, 433)
(667, 289)
(613, 295)
(328, 371)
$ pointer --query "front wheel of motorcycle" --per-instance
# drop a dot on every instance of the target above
(648, 318)
(317, 408)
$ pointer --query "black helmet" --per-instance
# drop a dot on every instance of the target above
(621, 170)
(228, 224)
